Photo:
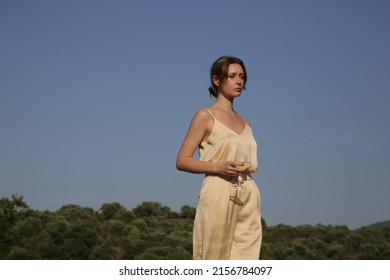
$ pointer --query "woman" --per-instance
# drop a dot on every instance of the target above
(227, 223)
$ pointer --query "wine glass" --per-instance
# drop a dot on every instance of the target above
(241, 158)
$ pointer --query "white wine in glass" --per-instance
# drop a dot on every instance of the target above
(242, 158)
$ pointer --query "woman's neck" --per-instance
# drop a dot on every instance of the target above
(224, 104)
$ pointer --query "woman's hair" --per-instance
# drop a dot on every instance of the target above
(220, 69)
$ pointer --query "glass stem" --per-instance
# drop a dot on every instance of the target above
(239, 181)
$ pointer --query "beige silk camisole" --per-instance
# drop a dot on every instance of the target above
(223, 142)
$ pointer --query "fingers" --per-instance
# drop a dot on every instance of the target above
(234, 168)
(231, 168)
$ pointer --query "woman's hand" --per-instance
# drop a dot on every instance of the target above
(230, 168)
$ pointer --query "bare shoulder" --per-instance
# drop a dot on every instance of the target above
(203, 115)
(202, 120)
(203, 112)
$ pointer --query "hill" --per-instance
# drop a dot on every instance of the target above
(380, 225)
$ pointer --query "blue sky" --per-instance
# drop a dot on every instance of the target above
(96, 98)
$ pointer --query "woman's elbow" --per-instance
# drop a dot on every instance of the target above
(179, 165)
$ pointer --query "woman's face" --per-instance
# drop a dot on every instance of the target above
(233, 85)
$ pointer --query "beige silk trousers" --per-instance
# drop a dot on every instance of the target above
(224, 230)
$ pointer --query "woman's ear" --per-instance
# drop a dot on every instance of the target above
(215, 80)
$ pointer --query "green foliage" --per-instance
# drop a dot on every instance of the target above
(114, 210)
(9, 209)
(155, 209)
(154, 232)
(187, 212)
(320, 242)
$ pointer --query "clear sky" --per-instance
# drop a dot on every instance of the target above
(96, 98)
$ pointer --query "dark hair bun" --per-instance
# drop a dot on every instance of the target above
(212, 92)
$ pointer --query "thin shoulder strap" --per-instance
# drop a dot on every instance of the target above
(210, 113)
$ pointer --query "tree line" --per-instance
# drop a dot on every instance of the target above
(152, 231)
